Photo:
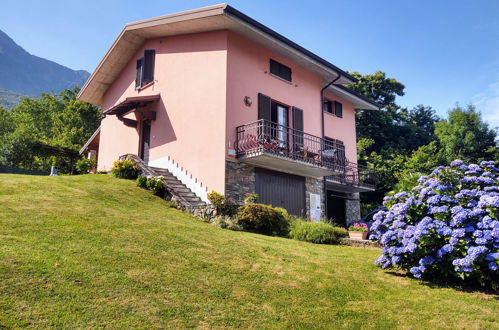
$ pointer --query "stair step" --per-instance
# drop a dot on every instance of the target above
(178, 188)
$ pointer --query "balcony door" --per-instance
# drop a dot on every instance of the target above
(279, 117)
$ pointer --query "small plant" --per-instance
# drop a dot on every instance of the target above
(359, 226)
(226, 222)
(263, 219)
(316, 232)
(156, 185)
(125, 169)
(85, 165)
(142, 182)
(223, 206)
(250, 198)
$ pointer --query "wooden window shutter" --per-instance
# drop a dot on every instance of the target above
(297, 118)
(138, 75)
(263, 107)
(338, 109)
(149, 56)
(297, 128)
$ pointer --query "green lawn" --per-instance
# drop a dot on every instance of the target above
(94, 251)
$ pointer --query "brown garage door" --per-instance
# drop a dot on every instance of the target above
(281, 190)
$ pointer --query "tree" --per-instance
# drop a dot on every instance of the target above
(57, 120)
(465, 136)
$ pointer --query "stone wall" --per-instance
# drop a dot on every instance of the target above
(314, 186)
(239, 180)
(352, 207)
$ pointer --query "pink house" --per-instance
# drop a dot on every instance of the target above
(224, 103)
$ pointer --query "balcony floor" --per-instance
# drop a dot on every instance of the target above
(285, 164)
(347, 187)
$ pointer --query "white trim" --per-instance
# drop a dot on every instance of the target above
(180, 173)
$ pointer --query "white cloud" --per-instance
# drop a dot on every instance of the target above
(488, 103)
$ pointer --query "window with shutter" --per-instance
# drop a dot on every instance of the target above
(338, 109)
(280, 70)
(145, 69)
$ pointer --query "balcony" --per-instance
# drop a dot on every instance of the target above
(273, 146)
(353, 178)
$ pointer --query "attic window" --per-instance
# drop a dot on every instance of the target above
(280, 70)
(145, 69)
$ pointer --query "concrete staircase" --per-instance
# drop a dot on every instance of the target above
(180, 192)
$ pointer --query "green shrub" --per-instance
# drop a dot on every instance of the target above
(316, 232)
(142, 182)
(125, 169)
(224, 206)
(85, 165)
(263, 219)
(156, 185)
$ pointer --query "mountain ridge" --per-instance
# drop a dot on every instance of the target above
(30, 75)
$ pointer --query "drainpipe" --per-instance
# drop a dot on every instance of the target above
(323, 135)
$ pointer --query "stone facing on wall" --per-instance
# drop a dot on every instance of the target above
(314, 186)
(239, 180)
(352, 208)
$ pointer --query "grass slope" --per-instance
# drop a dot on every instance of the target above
(92, 251)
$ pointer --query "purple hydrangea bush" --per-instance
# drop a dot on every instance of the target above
(446, 227)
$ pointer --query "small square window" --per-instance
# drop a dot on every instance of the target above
(280, 70)
(328, 106)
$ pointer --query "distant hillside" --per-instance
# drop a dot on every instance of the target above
(8, 98)
(26, 74)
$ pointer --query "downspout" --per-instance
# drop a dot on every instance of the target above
(323, 135)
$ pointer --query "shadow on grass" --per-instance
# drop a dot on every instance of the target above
(462, 286)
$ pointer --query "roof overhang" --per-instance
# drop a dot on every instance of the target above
(93, 141)
(213, 18)
(132, 102)
(359, 101)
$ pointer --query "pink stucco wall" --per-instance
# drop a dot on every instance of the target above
(203, 79)
(342, 128)
(248, 75)
(190, 75)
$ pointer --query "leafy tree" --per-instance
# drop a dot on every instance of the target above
(465, 136)
(56, 120)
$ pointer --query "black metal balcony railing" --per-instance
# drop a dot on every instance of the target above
(264, 136)
(356, 175)
(267, 137)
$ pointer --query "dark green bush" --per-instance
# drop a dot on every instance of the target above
(263, 219)
(156, 185)
(142, 182)
(316, 232)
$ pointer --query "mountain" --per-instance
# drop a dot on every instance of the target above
(26, 74)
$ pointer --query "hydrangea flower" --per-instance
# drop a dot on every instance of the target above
(445, 226)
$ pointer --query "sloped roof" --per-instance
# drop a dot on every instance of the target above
(212, 18)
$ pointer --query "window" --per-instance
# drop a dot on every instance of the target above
(280, 70)
(328, 106)
(338, 109)
(145, 69)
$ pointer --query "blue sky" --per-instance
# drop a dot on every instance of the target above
(443, 51)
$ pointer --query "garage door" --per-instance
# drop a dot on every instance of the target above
(281, 190)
